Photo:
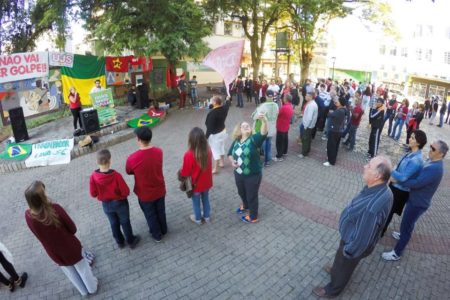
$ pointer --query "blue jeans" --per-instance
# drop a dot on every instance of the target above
(410, 216)
(118, 213)
(267, 149)
(194, 96)
(441, 120)
(240, 100)
(155, 214)
(398, 123)
(204, 197)
(351, 136)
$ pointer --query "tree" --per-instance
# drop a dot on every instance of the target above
(23, 22)
(256, 18)
(309, 19)
(172, 28)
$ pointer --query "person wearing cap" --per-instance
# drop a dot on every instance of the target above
(270, 109)
(376, 121)
(146, 164)
(336, 127)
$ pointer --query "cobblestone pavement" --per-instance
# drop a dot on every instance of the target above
(281, 257)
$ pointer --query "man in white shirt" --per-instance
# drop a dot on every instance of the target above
(308, 123)
(97, 87)
(270, 109)
(275, 88)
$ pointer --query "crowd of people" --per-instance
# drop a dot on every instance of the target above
(334, 109)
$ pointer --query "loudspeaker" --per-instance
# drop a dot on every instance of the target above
(19, 127)
(89, 120)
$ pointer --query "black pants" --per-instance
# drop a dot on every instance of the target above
(342, 270)
(76, 117)
(400, 199)
(334, 139)
(281, 143)
(248, 187)
(374, 141)
(8, 268)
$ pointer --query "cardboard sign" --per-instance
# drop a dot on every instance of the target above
(21, 66)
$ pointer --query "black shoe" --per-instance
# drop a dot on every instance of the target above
(24, 279)
(121, 245)
(136, 240)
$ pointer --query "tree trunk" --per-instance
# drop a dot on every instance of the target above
(304, 70)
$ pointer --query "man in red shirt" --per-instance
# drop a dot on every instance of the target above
(357, 113)
(283, 122)
(149, 186)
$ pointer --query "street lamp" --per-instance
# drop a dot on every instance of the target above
(332, 72)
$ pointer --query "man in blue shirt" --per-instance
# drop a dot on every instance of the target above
(422, 189)
(360, 225)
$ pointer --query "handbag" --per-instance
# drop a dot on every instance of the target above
(186, 186)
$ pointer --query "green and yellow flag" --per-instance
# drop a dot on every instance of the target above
(16, 151)
(85, 71)
(144, 120)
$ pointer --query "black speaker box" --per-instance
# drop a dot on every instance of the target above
(89, 120)
(19, 127)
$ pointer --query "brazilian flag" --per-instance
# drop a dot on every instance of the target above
(144, 120)
(85, 71)
(16, 151)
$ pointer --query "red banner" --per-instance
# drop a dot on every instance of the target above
(226, 60)
(145, 62)
(117, 63)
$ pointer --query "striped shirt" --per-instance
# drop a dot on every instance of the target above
(363, 219)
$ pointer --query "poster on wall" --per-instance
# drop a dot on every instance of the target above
(103, 102)
(117, 78)
(20, 66)
(35, 95)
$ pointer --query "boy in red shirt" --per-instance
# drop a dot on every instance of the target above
(149, 186)
(109, 187)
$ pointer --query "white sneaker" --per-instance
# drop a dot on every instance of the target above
(277, 159)
(207, 220)
(326, 164)
(300, 156)
(396, 235)
(192, 218)
(390, 256)
(324, 138)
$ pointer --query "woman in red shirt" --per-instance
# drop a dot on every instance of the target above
(53, 227)
(197, 163)
(75, 107)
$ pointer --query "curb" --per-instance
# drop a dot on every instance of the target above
(119, 133)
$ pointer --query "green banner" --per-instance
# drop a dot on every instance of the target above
(144, 120)
(16, 151)
(103, 102)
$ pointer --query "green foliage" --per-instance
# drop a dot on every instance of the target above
(23, 22)
(172, 28)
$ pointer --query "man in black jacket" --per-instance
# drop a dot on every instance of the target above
(376, 120)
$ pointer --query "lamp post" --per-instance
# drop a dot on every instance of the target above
(332, 72)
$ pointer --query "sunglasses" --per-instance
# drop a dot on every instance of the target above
(432, 148)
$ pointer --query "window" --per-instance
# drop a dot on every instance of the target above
(418, 31)
(404, 52)
(382, 67)
(393, 68)
(228, 28)
(448, 32)
(429, 31)
(447, 58)
(382, 49)
(428, 54)
(396, 76)
(393, 51)
(419, 54)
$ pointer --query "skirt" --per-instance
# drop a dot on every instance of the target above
(217, 144)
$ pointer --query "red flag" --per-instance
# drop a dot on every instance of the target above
(226, 60)
(145, 62)
(168, 77)
(117, 63)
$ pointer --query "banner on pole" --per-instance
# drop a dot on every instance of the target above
(50, 153)
(20, 66)
(103, 102)
(226, 60)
